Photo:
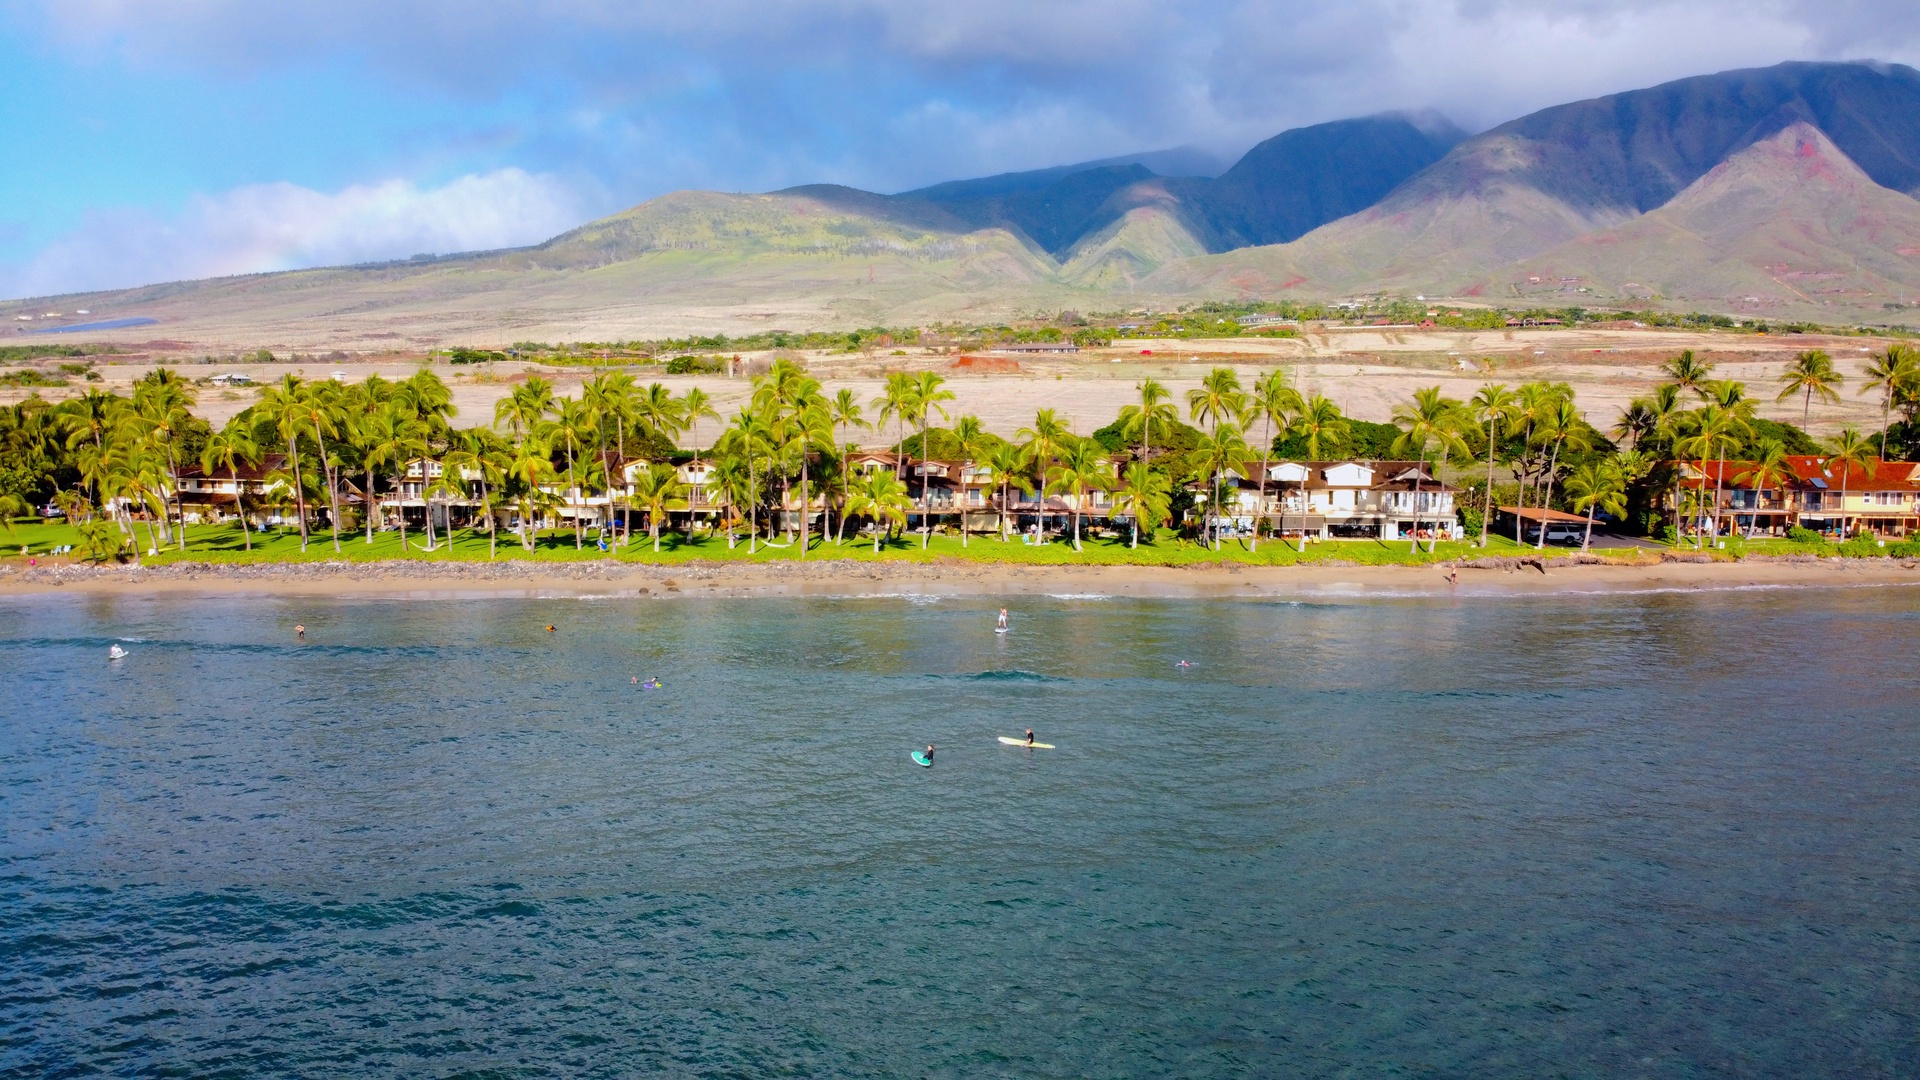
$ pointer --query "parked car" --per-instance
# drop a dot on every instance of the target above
(1559, 532)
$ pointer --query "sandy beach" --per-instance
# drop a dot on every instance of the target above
(824, 578)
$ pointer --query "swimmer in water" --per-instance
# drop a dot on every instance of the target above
(549, 628)
(300, 631)
(1184, 664)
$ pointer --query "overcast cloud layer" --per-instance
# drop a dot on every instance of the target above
(189, 137)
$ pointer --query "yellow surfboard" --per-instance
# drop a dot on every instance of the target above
(1023, 742)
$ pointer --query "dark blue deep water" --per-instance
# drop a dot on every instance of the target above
(1660, 835)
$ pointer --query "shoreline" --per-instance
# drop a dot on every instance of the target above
(1493, 577)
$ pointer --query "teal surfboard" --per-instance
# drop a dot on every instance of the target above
(920, 758)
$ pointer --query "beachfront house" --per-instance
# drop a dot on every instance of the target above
(1386, 500)
(1882, 498)
(208, 498)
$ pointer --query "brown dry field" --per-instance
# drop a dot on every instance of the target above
(1366, 371)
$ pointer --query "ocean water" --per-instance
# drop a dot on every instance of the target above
(1660, 835)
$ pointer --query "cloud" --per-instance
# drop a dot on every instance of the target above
(281, 226)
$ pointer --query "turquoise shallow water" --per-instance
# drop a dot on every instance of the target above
(1664, 835)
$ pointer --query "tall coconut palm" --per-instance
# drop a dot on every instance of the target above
(572, 429)
(87, 420)
(696, 406)
(480, 460)
(810, 429)
(1811, 374)
(393, 437)
(1561, 428)
(730, 486)
(1597, 485)
(928, 396)
(162, 401)
(974, 442)
(1006, 468)
(1274, 402)
(1040, 444)
(1218, 399)
(1767, 467)
(1715, 431)
(658, 491)
(610, 397)
(1153, 412)
(529, 470)
(1144, 496)
(1083, 468)
(844, 409)
(1494, 406)
(320, 417)
(1849, 450)
(896, 403)
(880, 497)
(1898, 366)
(1430, 421)
(1322, 425)
(750, 438)
(1223, 451)
(1689, 372)
(280, 409)
(229, 448)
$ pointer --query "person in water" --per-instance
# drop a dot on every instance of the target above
(1029, 736)
(929, 752)
(549, 628)
(1003, 619)
(300, 631)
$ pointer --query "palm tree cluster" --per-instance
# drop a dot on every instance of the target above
(325, 452)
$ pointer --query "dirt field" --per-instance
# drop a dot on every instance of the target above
(1365, 371)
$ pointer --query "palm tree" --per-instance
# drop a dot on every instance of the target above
(1768, 468)
(319, 416)
(1495, 406)
(1223, 451)
(1154, 411)
(1006, 467)
(882, 498)
(1811, 373)
(1274, 402)
(973, 440)
(227, 449)
(1322, 425)
(1145, 495)
(575, 424)
(1083, 467)
(927, 396)
(390, 436)
(1888, 373)
(479, 460)
(896, 403)
(530, 469)
(658, 490)
(1430, 420)
(696, 406)
(161, 400)
(1562, 427)
(810, 428)
(1849, 450)
(525, 408)
(1042, 443)
(610, 396)
(1689, 372)
(1533, 402)
(1597, 486)
(279, 408)
(1218, 399)
(730, 485)
(750, 437)
(90, 418)
(1715, 430)
(844, 410)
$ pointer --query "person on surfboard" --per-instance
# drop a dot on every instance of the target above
(1029, 738)
(929, 753)
(1002, 624)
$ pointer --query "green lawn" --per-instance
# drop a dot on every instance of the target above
(224, 544)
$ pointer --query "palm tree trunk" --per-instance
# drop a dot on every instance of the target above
(399, 481)
(486, 503)
(299, 488)
(1586, 542)
(926, 508)
(240, 504)
(1486, 519)
(806, 506)
(573, 494)
(367, 496)
(1547, 497)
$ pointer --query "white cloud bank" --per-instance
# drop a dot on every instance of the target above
(282, 226)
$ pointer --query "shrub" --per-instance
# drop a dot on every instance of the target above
(1864, 546)
(1905, 549)
(696, 365)
(473, 356)
(1802, 535)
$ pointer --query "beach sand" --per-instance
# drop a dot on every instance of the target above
(825, 577)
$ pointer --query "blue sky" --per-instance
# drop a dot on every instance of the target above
(160, 139)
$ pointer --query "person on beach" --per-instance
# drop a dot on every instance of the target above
(1002, 625)
(300, 631)
(1453, 576)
